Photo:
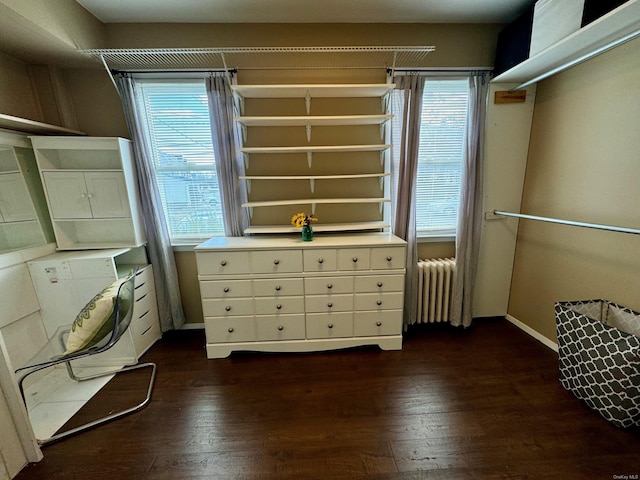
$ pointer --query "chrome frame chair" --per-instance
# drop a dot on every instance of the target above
(122, 315)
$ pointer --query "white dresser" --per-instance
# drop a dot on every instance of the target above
(279, 294)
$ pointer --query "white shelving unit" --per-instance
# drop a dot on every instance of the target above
(616, 26)
(91, 190)
(376, 152)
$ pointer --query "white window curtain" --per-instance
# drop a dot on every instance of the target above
(229, 167)
(159, 247)
(470, 212)
(411, 88)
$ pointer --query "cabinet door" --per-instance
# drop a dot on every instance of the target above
(107, 193)
(15, 202)
(67, 193)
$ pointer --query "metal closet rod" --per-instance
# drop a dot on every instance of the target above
(596, 226)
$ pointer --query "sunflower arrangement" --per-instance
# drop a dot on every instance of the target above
(302, 219)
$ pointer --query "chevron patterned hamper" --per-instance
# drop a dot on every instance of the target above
(599, 357)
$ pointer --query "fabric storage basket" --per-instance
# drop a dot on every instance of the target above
(599, 357)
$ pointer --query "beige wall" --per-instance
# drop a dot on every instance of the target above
(17, 96)
(583, 165)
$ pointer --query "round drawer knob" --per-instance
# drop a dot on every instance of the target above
(280, 327)
(329, 286)
(378, 324)
(226, 289)
(278, 288)
(389, 258)
(276, 261)
(321, 260)
(230, 329)
(354, 259)
(379, 284)
(279, 307)
(329, 304)
(227, 308)
(379, 302)
(330, 325)
(223, 263)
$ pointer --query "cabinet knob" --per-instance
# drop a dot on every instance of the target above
(279, 307)
(388, 258)
(276, 261)
(330, 325)
(226, 289)
(354, 259)
(378, 324)
(230, 329)
(329, 304)
(223, 263)
(380, 284)
(278, 287)
(379, 302)
(280, 327)
(227, 308)
(329, 286)
(321, 260)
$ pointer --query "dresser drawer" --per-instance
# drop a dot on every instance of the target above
(388, 258)
(227, 307)
(225, 288)
(353, 259)
(280, 327)
(329, 303)
(143, 277)
(330, 325)
(320, 260)
(379, 301)
(278, 287)
(237, 329)
(279, 305)
(383, 322)
(222, 263)
(379, 283)
(328, 285)
(276, 261)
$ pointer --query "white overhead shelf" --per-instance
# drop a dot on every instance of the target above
(313, 201)
(31, 126)
(317, 149)
(612, 29)
(312, 120)
(317, 91)
(321, 227)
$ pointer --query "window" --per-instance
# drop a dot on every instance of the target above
(442, 135)
(176, 115)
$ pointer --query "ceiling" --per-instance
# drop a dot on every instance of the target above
(305, 11)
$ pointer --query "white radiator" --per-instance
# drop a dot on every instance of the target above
(435, 289)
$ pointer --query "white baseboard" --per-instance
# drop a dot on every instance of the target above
(193, 326)
(527, 329)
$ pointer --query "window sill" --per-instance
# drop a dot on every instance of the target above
(437, 239)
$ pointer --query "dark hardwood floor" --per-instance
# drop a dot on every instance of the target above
(478, 404)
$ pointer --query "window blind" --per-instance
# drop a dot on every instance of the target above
(176, 115)
(442, 137)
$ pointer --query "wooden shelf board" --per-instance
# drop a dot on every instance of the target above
(314, 177)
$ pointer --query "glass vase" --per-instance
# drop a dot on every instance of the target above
(307, 233)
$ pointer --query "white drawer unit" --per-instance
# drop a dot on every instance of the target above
(279, 294)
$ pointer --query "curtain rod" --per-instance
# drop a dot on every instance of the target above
(597, 226)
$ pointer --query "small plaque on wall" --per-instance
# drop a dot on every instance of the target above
(505, 96)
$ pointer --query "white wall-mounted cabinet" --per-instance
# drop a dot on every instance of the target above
(362, 192)
(91, 189)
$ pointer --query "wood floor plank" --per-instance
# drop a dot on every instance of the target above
(483, 403)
